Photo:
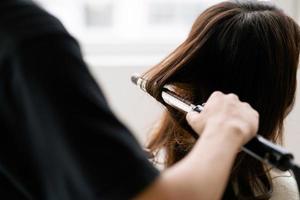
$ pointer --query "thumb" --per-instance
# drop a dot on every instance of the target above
(196, 122)
(191, 117)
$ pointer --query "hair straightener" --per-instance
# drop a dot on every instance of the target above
(259, 148)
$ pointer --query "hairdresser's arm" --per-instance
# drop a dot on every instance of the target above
(225, 125)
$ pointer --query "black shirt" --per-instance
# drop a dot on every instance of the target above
(58, 138)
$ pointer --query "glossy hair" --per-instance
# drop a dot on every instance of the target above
(248, 48)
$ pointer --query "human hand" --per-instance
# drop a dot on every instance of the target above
(227, 118)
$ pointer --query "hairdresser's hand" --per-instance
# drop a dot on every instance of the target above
(226, 119)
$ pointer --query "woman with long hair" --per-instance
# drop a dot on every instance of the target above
(61, 141)
(249, 48)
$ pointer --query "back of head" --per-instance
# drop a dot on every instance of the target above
(249, 48)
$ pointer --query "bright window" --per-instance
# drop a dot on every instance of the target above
(114, 32)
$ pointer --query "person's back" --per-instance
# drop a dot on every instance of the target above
(249, 48)
(59, 139)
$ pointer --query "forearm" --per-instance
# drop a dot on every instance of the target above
(203, 174)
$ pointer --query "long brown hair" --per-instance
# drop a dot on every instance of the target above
(248, 48)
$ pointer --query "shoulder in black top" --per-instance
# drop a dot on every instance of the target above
(58, 138)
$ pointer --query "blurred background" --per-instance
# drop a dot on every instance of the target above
(122, 37)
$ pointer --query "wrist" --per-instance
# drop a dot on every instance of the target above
(223, 137)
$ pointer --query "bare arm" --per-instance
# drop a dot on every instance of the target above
(224, 125)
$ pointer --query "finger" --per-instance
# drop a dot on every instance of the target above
(232, 96)
(191, 117)
(214, 98)
(216, 94)
(194, 120)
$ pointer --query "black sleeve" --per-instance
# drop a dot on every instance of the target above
(59, 139)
